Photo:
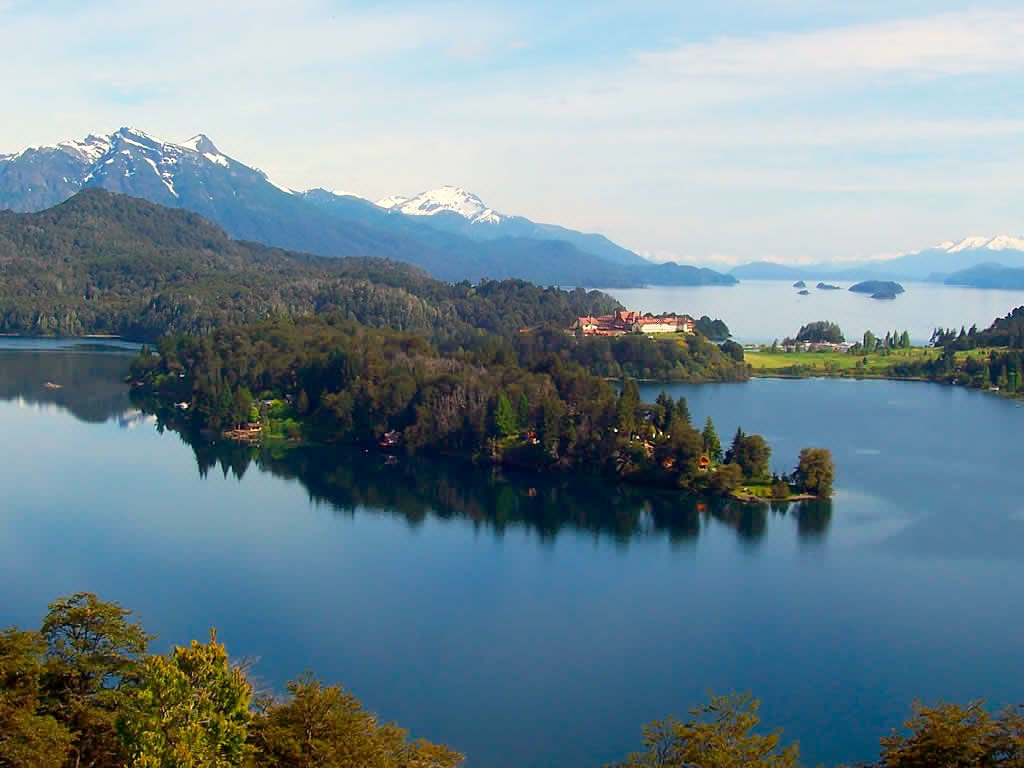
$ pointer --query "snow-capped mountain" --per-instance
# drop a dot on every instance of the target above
(454, 209)
(449, 232)
(936, 263)
(981, 242)
(444, 199)
(129, 161)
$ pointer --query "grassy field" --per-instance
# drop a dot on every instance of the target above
(766, 362)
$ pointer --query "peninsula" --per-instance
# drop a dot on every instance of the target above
(326, 380)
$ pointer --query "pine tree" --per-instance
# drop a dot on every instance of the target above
(504, 417)
(734, 449)
(668, 407)
(628, 403)
(523, 411)
(712, 445)
(683, 411)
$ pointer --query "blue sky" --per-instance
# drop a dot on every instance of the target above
(783, 129)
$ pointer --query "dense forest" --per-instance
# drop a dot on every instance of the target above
(108, 264)
(85, 690)
(1004, 332)
(330, 381)
(990, 358)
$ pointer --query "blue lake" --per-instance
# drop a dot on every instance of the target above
(540, 621)
(758, 311)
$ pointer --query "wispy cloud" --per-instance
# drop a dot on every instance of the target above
(805, 134)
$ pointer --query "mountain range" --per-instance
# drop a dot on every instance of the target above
(953, 262)
(453, 209)
(249, 205)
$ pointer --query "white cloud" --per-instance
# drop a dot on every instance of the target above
(946, 44)
(783, 143)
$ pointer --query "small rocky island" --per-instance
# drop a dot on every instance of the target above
(799, 284)
(827, 287)
(804, 292)
(878, 289)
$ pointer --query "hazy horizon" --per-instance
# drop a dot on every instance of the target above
(785, 130)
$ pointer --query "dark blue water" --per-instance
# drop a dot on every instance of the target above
(540, 621)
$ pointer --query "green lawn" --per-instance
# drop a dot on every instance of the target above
(769, 361)
(764, 361)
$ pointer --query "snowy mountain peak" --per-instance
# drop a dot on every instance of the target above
(201, 143)
(448, 198)
(983, 242)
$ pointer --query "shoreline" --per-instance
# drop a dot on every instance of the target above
(247, 439)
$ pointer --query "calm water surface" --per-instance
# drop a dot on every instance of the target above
(758, 311)
(540, 621)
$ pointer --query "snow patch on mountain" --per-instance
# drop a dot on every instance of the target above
(447, 198)
(983, 242)
(89, 150)
(389, 202)
(273, 183)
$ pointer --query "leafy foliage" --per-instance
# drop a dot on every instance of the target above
(957, 737)
(92, 657)
(815, 471)
(29, 736)
(192, 708)
(326, 726)
(719, 734)
(821, 331)
(189, 709)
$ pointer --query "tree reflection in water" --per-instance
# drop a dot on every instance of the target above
(352, 481)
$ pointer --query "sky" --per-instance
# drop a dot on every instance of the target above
(725, 132)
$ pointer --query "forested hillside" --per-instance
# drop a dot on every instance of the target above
(108, 264)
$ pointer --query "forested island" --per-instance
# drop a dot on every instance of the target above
(878, 289)
(537, 405)
(85, 690)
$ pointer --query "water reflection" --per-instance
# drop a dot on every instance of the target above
(350, 480)
(87, 381)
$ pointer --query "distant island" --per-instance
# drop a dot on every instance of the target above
(827, 287)
(878, 289)
(799, 284)
(804, 292)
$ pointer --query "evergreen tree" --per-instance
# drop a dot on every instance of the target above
(523, 411)
(625, 412)
(667, 408)
(734, 448)
(504, 417)
(712, 445)
(683, 411)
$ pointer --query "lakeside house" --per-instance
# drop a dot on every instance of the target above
(817, 346)
(621, 323)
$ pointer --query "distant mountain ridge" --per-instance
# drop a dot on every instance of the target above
(454, 209)
(195, 175)
(935, 263)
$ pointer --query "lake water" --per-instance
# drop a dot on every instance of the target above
(758, 311)
(539, 621)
